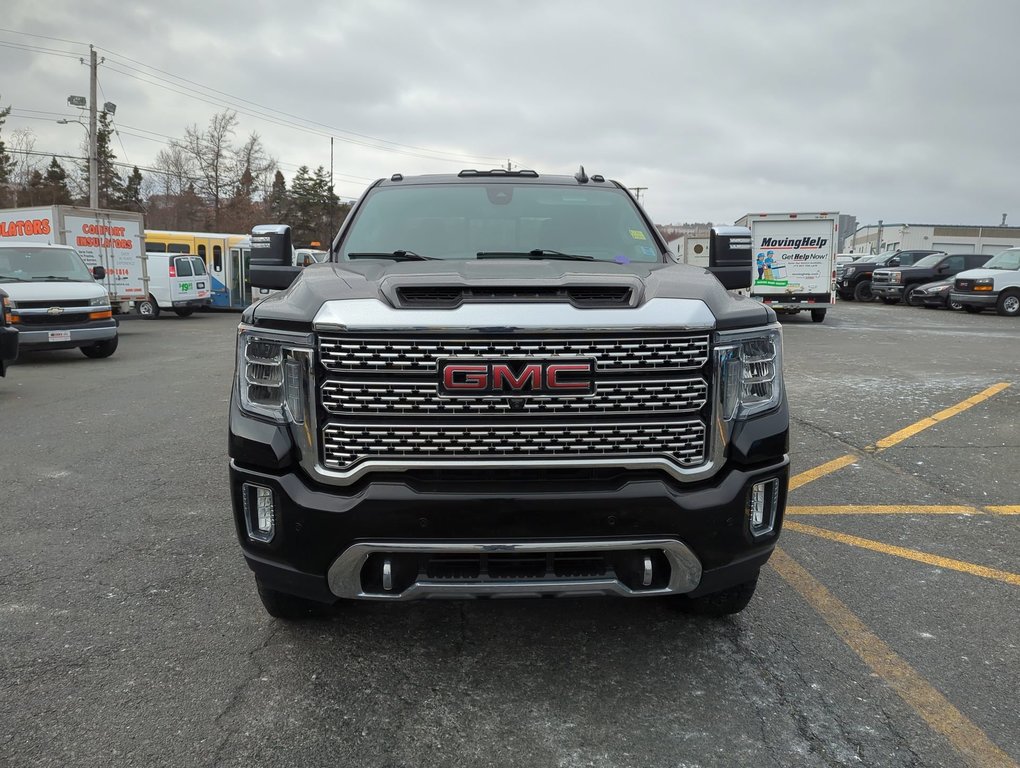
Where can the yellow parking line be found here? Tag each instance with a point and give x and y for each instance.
(909, 554)
(884, 509)
(923, 424)
(936, 710)
(1009, 509)
(825, 469)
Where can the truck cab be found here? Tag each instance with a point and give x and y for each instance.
(893, 285)
(8, 335)
(55, 300)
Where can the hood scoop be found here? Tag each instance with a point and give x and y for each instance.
(453, 296)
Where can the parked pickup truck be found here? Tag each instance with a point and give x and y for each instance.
(500, 385)
(8, 335)
(895, 285)
(997, 285)
(853, 281)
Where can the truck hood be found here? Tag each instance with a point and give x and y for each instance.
(52, 290)
(383, 280)
(978, 274)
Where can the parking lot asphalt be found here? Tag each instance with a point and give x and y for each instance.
(884, 633)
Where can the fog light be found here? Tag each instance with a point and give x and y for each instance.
(259, 511)
(761, 507)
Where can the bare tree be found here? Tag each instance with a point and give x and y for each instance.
(213, 155)
(252, 168)
(22, 144)
(176, 169)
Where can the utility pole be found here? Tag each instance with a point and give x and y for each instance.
(637, 192)
(93, 143)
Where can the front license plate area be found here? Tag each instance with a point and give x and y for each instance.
(55, 336)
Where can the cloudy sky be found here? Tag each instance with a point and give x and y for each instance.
(905, 110)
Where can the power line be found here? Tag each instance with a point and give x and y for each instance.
(39, 49)
(43, 37)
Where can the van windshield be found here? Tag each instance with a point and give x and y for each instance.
(1006, 260)
(33, 264)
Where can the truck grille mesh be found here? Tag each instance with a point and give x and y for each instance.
(379, 400)
(344, 444)
(420, 354)
(381, 397)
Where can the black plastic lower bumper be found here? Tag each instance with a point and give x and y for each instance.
(315, 524)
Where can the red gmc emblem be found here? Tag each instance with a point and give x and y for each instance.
(516, 377)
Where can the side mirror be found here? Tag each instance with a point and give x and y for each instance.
(98, 272)
(272, 257)
(894, 261)
(729, 256)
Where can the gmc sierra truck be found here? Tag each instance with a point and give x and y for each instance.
(500, 385)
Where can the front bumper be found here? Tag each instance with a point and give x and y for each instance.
(192, 303)
(54, 337)
(320, 532)
(976, 299)
(889, 291)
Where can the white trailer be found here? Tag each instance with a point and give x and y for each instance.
(113, 240)
(794, 266)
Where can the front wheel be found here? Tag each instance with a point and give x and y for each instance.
(724, 603)
(147, 308)
(862, 291)
(950, 304)
(817, 315)
(912, 297)
(1008, 304)
(184, 312)
(103, 348)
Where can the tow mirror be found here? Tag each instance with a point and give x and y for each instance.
(272, 257)
(98, 272)
(729, 256)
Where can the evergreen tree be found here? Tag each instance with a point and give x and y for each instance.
(278, 202)
(111, 187)
(54, 187)
(6, 161)
(129, 197)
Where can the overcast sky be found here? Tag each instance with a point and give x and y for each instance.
(905, 110)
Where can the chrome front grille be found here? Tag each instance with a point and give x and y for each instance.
(617, 397)
(420, 354)
(380, 405)
(344, 444)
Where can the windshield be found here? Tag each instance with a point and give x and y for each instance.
(461, 221)
(930, 260)
(1006, 260)
(30, 263)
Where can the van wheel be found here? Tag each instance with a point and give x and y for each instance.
(184, 312)
(724, 603)
(817, 315)
(281, 605)
(147, 308)
(862, 291)
(103, 348)
(1008, 304)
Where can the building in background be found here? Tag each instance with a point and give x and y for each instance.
(951, 238)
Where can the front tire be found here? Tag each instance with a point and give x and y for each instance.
(184, 312)
(103, 348)
(281, 605)
(1008, 304)
(950, 304)
(724, 603)
(817, 315)
(862, 291)
(147, 308)
(911, 297)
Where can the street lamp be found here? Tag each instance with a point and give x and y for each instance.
(90, 133)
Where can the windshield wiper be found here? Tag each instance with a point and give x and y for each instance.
(56, 277)
(537, 253)
(395, 255)
(12, 277)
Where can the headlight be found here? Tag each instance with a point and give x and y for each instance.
(99, 301)
(940, 289)
(849, 271)
(894, 277)
(750, 371)
(984, 284)
(272, 372)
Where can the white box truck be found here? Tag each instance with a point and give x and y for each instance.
(794, 260)
(113, 240)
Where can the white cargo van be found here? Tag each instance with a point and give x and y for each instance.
(55, 301)
(178, 282)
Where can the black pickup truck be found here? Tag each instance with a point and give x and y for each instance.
(894, 285)
(8, 335)
(854, 280)
(500, 385)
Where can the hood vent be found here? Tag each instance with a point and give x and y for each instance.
(450, 297)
